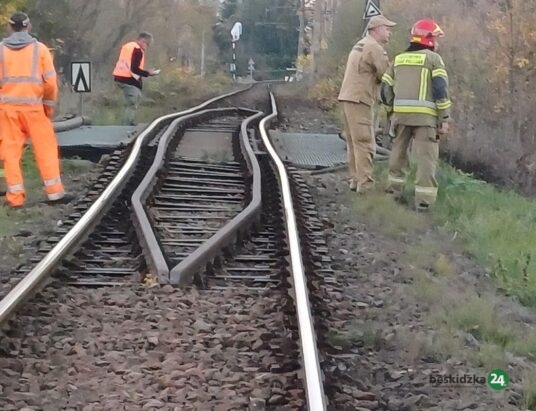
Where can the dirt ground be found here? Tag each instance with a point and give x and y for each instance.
(22, 229)
(396, 298)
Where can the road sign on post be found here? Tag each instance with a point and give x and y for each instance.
(372, 8)
(81, 76)
(81, 80)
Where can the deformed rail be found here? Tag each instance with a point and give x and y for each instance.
(183, 272)
(313, 373)
(83, 227)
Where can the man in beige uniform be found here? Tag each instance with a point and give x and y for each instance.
(366, 65)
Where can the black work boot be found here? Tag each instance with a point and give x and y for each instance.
(422, 207)
(66, 199)
(394, 195)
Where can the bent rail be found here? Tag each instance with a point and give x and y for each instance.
(81, 229)
(313, 374)
(183, 272)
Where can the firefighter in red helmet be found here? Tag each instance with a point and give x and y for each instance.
(425, 32)
(415, 90)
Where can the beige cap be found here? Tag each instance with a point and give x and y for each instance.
(378, 21)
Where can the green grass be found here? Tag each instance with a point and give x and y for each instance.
(365, 334)
(525, 345)
(497, 227)
(530, 390)
(391, 218)
(174, 90)
(478, 317)
(428, 290)
(490, 357)
(10, 219)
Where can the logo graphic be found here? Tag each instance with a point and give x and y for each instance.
(498, 379)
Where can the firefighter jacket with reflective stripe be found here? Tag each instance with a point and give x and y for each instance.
(123, 68)
(367, 62)
(415, 88)
(27, 75)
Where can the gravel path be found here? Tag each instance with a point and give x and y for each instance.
(149, 348)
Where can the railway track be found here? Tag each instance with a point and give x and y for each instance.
(201, 196)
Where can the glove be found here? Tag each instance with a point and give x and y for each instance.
(443, 128)
(49, 111)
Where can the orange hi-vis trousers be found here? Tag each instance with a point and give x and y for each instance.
(15, 125)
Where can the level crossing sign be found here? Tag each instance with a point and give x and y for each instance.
(371, 10)
(81, 76)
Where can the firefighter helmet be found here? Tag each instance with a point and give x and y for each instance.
(425, 32)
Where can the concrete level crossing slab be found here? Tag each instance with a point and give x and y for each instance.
(91, 142)
(97, 136)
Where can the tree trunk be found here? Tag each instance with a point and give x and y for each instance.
(317, 35)
(301, 37)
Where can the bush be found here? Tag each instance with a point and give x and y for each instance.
(325, 93)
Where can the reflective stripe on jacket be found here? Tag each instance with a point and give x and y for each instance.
(122, 67)
(27, 77)
(415, 88)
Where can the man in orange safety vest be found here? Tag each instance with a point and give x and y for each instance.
(28, 93)
(128, 73)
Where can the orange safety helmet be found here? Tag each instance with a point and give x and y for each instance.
(425, 32)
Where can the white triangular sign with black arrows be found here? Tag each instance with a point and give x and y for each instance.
(81, 76)
(371, 10)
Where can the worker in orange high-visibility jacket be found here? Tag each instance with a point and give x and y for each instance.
(28, 92)
(128, 73)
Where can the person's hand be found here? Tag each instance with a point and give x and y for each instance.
(49, 111)
(154, 72)
(443, 128)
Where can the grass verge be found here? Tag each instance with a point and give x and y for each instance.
(497, 227)
(10, 220)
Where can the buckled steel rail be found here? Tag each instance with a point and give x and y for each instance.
(313, 373)
(91, 217)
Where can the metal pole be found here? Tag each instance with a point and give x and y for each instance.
(234, 60)
(81, 104)
(203, 55)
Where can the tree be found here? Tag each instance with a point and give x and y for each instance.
(8, 7)
(270, 33)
